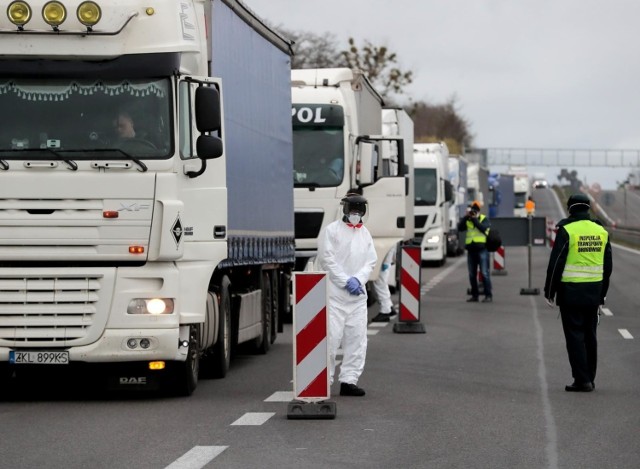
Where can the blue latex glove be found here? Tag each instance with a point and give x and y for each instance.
(353, 286)
(385, 267)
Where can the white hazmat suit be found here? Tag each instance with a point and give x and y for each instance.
(345, 251)
(381, 284)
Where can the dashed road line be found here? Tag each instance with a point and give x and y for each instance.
(280, 396)
(625, 334)
(606, 311)
(254, 418)
(372, 331)
(438, 278)
(378, 324)
(197, 457)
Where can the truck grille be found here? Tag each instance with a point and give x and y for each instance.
(36, 311)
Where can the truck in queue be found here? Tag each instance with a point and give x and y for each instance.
(146, 209)
(339, 148)
(458, 178)
(521, 188)
(433, 195)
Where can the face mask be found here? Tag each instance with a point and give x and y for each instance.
(354, 218)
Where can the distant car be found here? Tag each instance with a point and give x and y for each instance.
(540, 184)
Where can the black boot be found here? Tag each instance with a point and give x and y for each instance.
(348, 389)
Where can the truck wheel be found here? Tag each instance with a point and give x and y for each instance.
(263, 343)
(215, 363)
(185, 374)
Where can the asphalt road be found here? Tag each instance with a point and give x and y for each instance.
(483, 388)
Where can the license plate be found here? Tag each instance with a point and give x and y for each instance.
(38, 358)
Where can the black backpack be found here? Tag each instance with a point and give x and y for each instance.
(494, 241)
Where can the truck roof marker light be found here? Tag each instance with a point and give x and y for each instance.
(89, 13)
(54, 13)
(136, 249)
(19, 13)
(110, 214)
(150, 11)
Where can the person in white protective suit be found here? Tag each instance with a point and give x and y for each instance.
(381, 287)
(346, 252)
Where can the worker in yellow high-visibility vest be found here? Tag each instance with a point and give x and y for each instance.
(578, 280)
(477, 226)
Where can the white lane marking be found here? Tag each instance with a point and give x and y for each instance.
(625, 248)
(379, 324)
(280, 396)
(606, 311)
(254, 418)
(551, 449)
(196, 457)
(625, 333)
(372, 331)
(435, 280)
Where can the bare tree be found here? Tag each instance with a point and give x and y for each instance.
(312, 50)
(435, 122)
(380, 65)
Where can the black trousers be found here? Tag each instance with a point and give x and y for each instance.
(580, 324)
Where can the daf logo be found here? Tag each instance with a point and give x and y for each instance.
(140, 380)
(132, 207)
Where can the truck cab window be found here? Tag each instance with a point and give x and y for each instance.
(79, 116)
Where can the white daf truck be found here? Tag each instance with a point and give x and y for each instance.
(145, 227)
(338, 148)
(433, 194)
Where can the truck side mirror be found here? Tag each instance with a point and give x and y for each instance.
(209, 147)
(366, 163)
(448, 191)
(208, 112)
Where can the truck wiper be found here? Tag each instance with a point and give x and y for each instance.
(142, 166)
(70, 163)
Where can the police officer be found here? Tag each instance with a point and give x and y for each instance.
(477, 226)
(578, 279)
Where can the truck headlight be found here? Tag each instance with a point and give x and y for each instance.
(435, 239)
(54, 13)
(150, 306)
(19, 13)
(89, 13)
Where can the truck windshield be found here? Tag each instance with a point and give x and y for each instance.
(113, 119)
(426, 186)
(318, 157)
(521, 198)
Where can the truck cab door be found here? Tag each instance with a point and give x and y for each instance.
(388, 190)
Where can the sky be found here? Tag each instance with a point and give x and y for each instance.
(525, 73)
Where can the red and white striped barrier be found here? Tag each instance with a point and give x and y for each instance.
(409, 317)
(310, 326)
(499, 267)
(551, 232)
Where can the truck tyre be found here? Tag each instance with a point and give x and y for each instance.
(263, 343)
(185, 374)
(221, 357)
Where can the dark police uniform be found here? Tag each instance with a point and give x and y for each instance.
(578, 279)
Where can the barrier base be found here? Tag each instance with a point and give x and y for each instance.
(409, 328)
(298, 410)
(499, 272)
(529, 291)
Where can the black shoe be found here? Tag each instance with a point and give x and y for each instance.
(381, 317)
(348, 389)
(579, 387)
(393, 313)
(488, 299)
(473, 299)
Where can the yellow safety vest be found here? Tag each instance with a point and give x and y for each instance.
(474, 235)
(585, 259)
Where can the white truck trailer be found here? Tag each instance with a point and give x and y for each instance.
(521, 188)
(143, 255)
(338, 147)
(433, 194)
(458, 178)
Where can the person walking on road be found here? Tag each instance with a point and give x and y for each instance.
(477, 226)
(578, 280)
(381, 287)
(346, 252)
